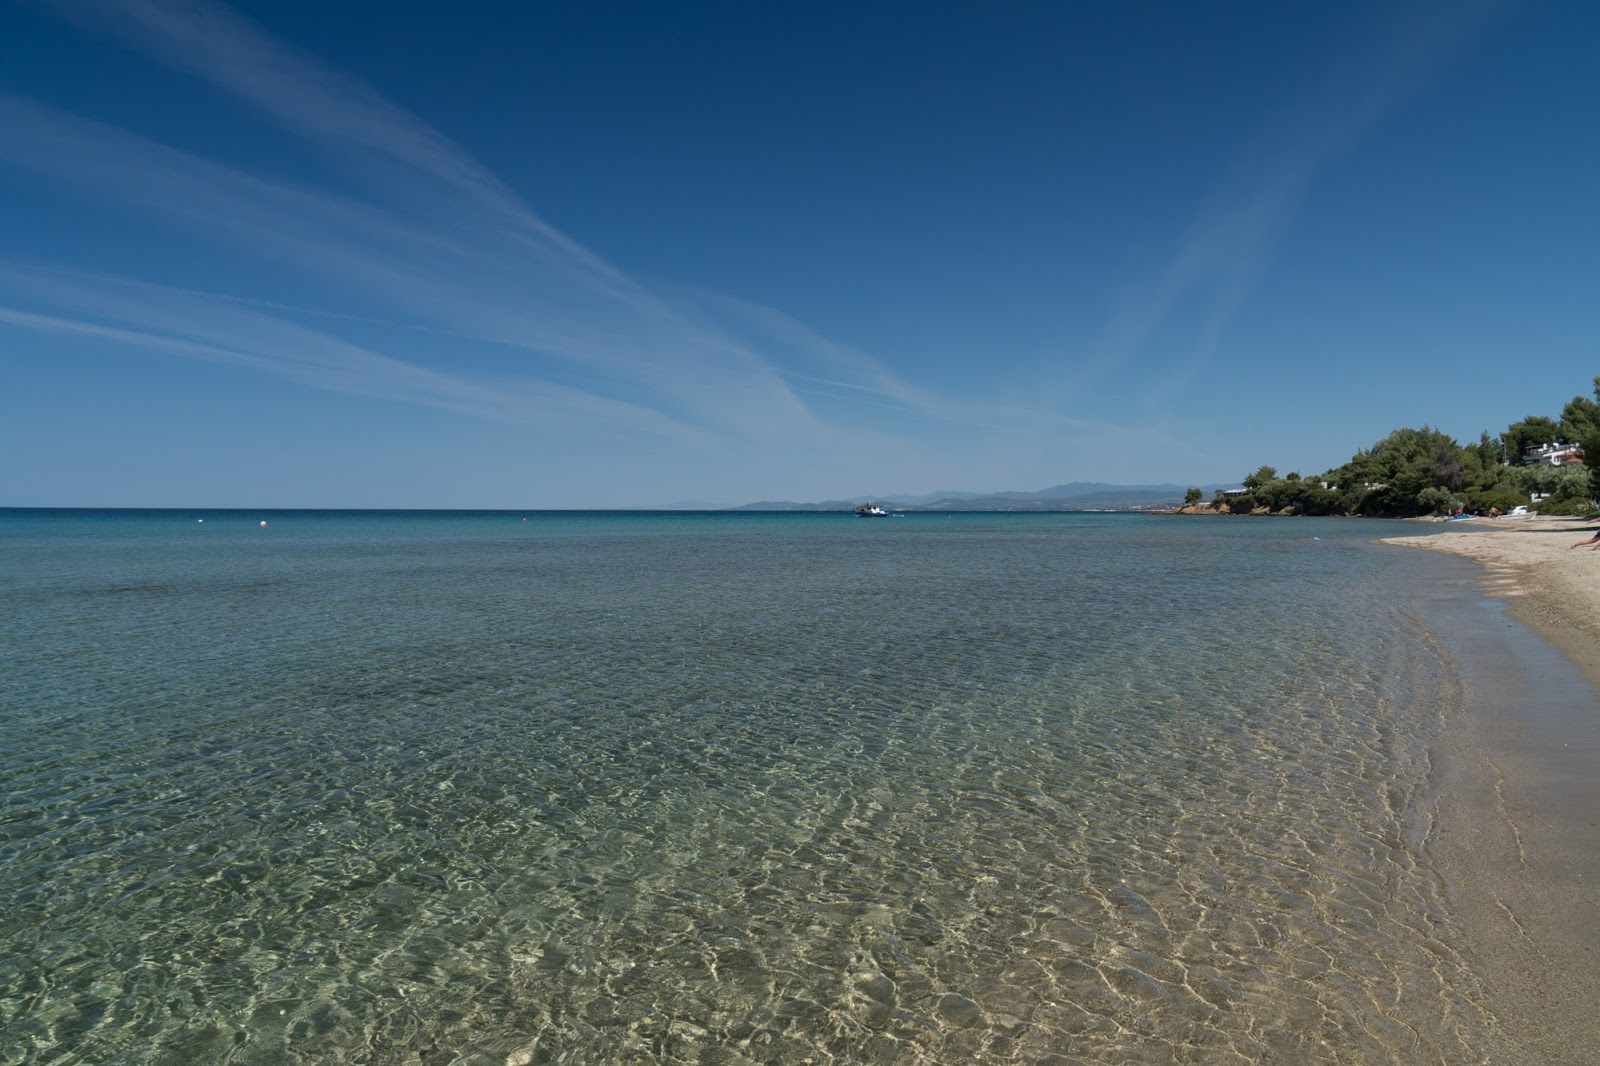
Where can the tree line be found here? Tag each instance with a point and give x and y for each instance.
(1414, 472)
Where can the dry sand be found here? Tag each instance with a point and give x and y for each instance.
(1518, 818)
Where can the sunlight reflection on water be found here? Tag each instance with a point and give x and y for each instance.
(756, 789)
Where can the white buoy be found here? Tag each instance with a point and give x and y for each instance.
(263, 521)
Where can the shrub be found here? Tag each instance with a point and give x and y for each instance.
(1570, 505)
(1311, 498)
(1505, 499)
(1435, 499)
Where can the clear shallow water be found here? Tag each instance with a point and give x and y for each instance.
(427, 788)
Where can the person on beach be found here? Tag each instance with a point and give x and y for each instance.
(1593, 542)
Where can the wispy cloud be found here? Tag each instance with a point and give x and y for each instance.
(192, 325)
(1213, 267)
(422, 235)
(461, 278)
(849, 370)
(510, 319)
(307, 98)
(418, 236)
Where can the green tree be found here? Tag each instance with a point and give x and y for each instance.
(1571, 492)
(1528, 480)
(1192, 497)
(1403, 464)
(1503, 498)
(1435, 499)
(1414, 471)
(1312, 498)
(1491, 451)
(1259, 478)
(1581, 416)
(1530, 433)
(1591, 454)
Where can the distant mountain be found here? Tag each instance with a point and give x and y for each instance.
(1074, 489)
(934, 497)
(1074, 496)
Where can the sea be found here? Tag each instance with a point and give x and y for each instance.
(559, 787)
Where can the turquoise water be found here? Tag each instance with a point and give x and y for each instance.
(504, 788)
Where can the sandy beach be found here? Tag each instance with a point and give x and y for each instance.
(1518, 809)
(1552, 587)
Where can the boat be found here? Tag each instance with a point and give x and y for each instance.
(871, 510)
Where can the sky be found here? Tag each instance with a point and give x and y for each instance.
(394, 253)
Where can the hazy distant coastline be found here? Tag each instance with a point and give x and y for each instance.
(1074, 496)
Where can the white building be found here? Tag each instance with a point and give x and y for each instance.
(1558, 454)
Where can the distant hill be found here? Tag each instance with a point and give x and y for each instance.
(688, 505)
(1074, 496)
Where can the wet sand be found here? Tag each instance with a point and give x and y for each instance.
(1517, 819)
(1554, 587)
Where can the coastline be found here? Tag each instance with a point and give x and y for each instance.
(1517, 812)
(1550, 588)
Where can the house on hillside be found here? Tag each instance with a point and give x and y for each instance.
(1558, 454)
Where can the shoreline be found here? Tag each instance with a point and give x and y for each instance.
(1551, 588)
(1516, 812)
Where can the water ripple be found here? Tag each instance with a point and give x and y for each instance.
(983, 792)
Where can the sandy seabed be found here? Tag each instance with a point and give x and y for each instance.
(1518, 819)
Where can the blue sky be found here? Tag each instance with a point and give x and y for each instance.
(406, 254)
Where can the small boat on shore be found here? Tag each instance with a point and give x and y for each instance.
(871, 510)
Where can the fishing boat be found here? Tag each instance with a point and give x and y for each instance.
(871, 510)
